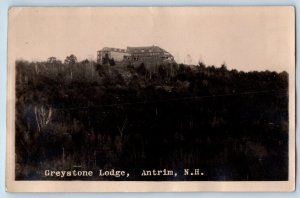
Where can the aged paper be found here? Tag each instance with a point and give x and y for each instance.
(151, 99)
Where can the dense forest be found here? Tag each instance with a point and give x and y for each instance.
(232, 125)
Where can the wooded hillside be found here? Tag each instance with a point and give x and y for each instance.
(231, 124)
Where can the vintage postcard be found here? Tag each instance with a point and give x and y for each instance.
(151, 99)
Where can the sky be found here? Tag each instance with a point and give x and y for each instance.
(244, 38)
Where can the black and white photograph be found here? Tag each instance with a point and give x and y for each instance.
(151, 99)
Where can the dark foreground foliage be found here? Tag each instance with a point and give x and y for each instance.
(231, 125)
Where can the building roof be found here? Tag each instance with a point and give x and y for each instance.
(152, 48)
(133, 50)
(113, 49)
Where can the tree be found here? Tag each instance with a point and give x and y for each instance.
(162, 71)
(224, 66)
(54, 63)
(52, 59)
(201, 65)
(112, 62)
(105, 59)
(86, 61)
(71, 60)
(141, 69)
(43, 116)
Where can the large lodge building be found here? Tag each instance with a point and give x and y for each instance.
(153, 55)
